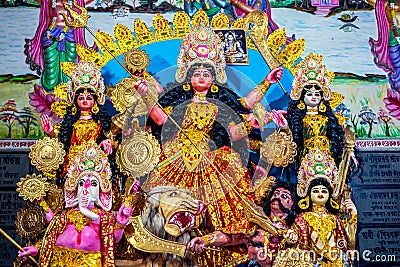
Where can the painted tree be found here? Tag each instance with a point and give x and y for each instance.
(343, 110)
(28, 121)
(9, 115)
(383, 116)
(368, 117)
(354, 121)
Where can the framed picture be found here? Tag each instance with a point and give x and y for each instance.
(234, 44)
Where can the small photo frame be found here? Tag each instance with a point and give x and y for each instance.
(234, 45)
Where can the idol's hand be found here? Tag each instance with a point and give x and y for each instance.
(350, 207)
(291, 237)
(141, 87)
(124, 214)
(353, 157)
(279, 119)
(275, 75)
(28, 251)
(106, 146)
(197, 244)
(47, 125)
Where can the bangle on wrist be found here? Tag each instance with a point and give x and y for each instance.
(210, 238)
(118, 226)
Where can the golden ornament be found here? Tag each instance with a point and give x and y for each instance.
(138, 154)
(47, 154)
(124, 96)
(32, 187)
(30, 221)
(55, 198)
(136, 60)
(279, 149)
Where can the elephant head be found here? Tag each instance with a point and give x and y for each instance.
(88, 182)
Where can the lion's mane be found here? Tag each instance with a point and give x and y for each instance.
(155, 222)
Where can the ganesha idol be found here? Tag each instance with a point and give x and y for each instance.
(85, 232)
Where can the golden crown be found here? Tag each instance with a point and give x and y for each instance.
(311, 71)
(317, 164)
(201, 45)
(86, 75)
(91, 160)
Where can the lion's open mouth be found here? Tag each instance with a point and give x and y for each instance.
(183, 219)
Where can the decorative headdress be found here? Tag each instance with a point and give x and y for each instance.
(86, 75)
(317, 164)
(201, 45)
(92, 160)
(311, 71)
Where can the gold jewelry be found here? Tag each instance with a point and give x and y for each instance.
(322, 107)
(312, 110)
(301, 105)
(334, 204)
(38, 244)
(78, 219)
(95, 108)
(200, 96)
(44, 205)
(84, 113)
(304, 203)
(214, 88)
(245, 127)
(262, 88)
(210, 238)
(320, 210)
(136, 60)
(73, 110)
(117, 226)
(186, 86)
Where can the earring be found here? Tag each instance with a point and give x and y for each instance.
(95, 108)
(301, 105)
(214, 88)
(322, 107)
(73, 110)
(334, 204)
(304, 203)
(186, 86)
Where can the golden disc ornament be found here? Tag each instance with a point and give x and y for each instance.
(32, 187)
(55, 198)
(279, 149)
(123, 95)
(136, 60)
(125, 98)
(30, 221)
(47, 154)
(138, 154)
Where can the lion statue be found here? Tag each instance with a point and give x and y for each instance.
(170, 213)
